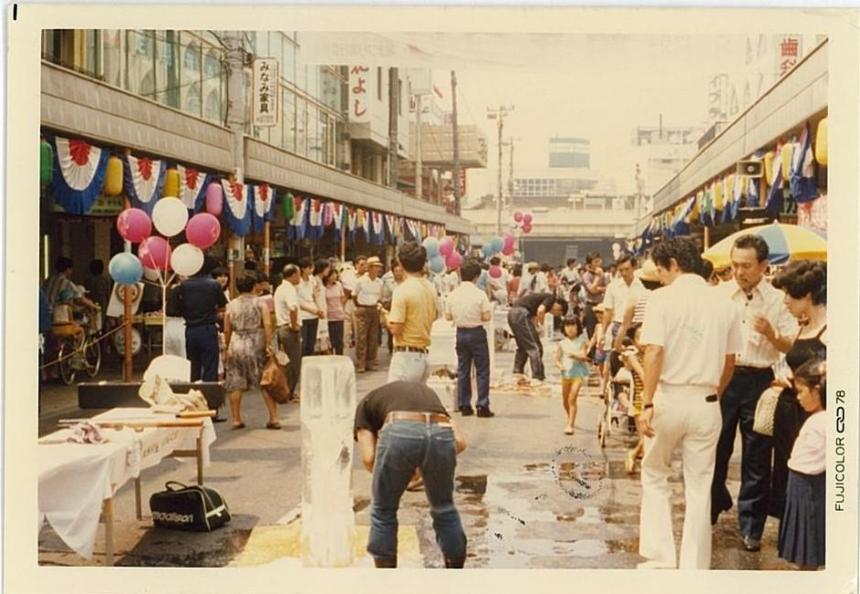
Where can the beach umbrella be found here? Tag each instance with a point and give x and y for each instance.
(785, 242)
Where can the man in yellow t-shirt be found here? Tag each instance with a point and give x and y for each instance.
(413, 311)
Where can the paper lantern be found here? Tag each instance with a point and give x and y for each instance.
(203, 230)
(113, 177)
(446, 246)
(154, 253)
(786, 154)
(437, 264)
(527, 218)
(821, 142)
(288, 205)
(186, 260)
(169, 216)
(453, 261)
(134, 225)
(431, 244)
(46, 162)
(518, 217)
(768, 168)
(171, 183)
(125, 268)
(495, 271)
(214, 198)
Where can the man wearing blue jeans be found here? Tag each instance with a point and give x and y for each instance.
(199, 300)
(468, 307)
(400, 428)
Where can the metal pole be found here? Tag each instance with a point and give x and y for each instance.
(393, 113)
(234, 57)
(511, 173)
(419, 189)
(126, 318)
(267, 240)
(456, 142)
(499, 199)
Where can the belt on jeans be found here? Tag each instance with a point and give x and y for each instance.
(425, 417)
(748, 369)
(360, 305)
(409, 349)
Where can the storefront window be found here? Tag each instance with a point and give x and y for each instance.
(288, 60)
(288, 118)
(113, 57)
(140, 75)
(190, 75)
(167, 71)
(315, 148)
(192, 99)
(212, 93)
(329, 88)
(301, 127)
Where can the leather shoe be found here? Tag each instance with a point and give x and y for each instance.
(485, 412)
(751, 544)
(716, 511)
(466, 411)
(385, 562)
(455, 562)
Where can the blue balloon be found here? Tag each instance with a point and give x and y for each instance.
(498, 243)
(488, 250)
(437, 264)
(482, 280)
(125, 268)
(431, 244)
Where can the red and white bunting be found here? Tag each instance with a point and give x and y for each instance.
(376, 223)
(315, 215)
(337, 214)
(234, 196)
(352, 219)
(391, 221)
(300, 206)
(145, 173)
(363, 221)
(190, 185)
(78, 162)
(263, 200)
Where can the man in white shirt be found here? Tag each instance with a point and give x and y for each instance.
(531, 280)
(767, 330)
(618, 292)
(571, 279)
(288, 326)
(368, 294)
(349, 277)
(691, 337)
(469, 308)
(497, 288)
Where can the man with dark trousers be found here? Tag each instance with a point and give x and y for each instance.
(469, 308)
(767, 330)
(200, 297)
(527, 313)
(418, 435)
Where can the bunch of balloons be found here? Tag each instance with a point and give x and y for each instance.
(154, 255)
(506, 245)
(442, 254)
(524, 221)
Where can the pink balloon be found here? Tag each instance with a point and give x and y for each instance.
(527, 218)
(446, 246)
(527, 228)
(154, 253)
(508, 250)
(518, 216)
(509, 240)
(214, 198)
(453, 261)
(134, 225)
(203, 230)
(495, 271)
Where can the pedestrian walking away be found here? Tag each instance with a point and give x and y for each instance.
(400, 428)
(199, 300)
(527, 313)
(767, 330)
(469, 309)
(689, 358)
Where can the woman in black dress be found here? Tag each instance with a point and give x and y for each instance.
(805, 287)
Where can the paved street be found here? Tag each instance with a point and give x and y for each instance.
(530, 496)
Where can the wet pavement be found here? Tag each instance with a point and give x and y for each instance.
(529, 496)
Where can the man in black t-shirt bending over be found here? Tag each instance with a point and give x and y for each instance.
(523, 317)
(401, 427)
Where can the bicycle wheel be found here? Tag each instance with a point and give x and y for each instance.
(93, 357)
(67, 368)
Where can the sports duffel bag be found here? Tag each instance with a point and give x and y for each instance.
(194, 508)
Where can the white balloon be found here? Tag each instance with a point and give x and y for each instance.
(151, 274)
(186, 259)
(169, 216)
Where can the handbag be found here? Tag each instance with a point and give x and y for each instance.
(274, 381)
(765, 410)
(196, 508)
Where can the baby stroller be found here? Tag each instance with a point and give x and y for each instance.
(616, 401)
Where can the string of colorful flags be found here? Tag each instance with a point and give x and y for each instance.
(787, 169)
(80, 172)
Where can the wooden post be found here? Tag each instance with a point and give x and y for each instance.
(267, 239)
(343, 241)
(706, 240)
(126, 318)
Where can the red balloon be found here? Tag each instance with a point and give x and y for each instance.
(527, 228)
(527, 218)
(203, 230)
(509, 240)
(154, 253)
(495, 271)
(134, 225)
(518, 216)
(508, 250)
(214, 198)
(453, 261)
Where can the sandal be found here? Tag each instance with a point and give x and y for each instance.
(238, 426)
(568, 430)
(273, 425)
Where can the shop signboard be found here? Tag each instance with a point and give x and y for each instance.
(789, 52)
(360, 84)
(103, 206)
(266, 102)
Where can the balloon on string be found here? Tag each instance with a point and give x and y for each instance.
(151, 275)
(495, 271)
(527, 218)
(431, 244)
(437, 264)
(488, 250)
(482, 280)
(453, 261)
(187, 259)
(134, 225)
(527, 228)
(518, 217)
(203, 230)
(125, 268)
(169, 216)
(508, 250)
(214, 198)
(498, 243)
(446, 246)
(508, 240)
(154, 252)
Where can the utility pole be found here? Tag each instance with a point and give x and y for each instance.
(511, 172)
(419, 174)
(393, 113)
(499, 114)
(456, 143)
(639, 188)
(234, 57)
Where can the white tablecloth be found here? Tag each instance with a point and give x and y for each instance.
(75, 479)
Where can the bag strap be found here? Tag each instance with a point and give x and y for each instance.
(181, 486)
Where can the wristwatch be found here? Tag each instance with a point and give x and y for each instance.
(647, 406)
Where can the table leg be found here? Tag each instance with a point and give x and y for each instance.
(137, 505)
(200, 458)
(107, 518)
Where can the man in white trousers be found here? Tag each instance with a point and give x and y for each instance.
(691, 339)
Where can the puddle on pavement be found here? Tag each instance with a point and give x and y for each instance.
(474, 485)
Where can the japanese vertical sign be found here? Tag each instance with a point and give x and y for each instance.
(266, 101)
(788, 53)
(359, 93)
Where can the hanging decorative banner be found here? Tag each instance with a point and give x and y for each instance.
(297, 226)
(352, 220)
(192, 187)
(802, 180)
(237, 213)
(377, 228)
(263, 199)
(328, 214)
(812, 215)
(363, 222)
(391, 223)
(752, 193)
(144, 181)
(78, 175)
(338, 215)
(315, 227)
(773, 203)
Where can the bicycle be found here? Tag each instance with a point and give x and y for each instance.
(79, 350)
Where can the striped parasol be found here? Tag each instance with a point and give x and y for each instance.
(785, 242)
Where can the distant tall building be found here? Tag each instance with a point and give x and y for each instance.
(569, 152)
(662, 152)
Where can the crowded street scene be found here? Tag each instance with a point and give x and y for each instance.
(354, 300)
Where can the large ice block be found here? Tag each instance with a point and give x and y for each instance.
(327, 413)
